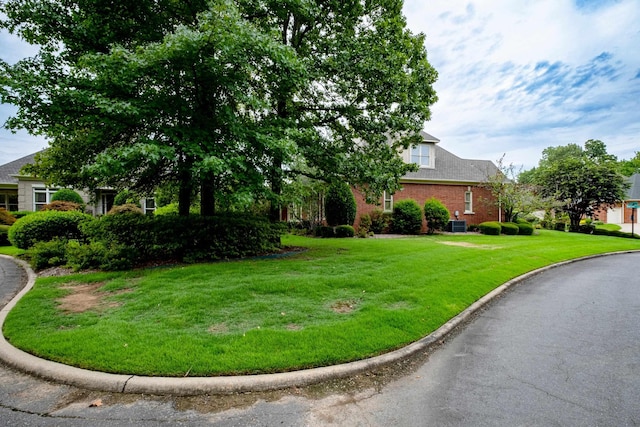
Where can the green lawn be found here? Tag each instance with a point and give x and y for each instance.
(341, 300)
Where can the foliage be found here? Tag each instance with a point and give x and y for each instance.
(63, 206)
(4, 235)
(345, 231)
(491, 228)
(340, 205)
(324, 231)
(436, 214)
(631, 166)
(580, 181)
(509, 228)
(380, 221)
(513, 196)
(44, 226)
(6, 217)
(407, 217)
(46, 254)
(126, 197)
(127, 208)
(99, 255)
(68, 195)
(525, 228)
(220, 97)
(615, 233)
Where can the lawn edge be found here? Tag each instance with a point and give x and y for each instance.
(135, 384)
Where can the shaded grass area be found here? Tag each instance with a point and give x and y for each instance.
(341, 300)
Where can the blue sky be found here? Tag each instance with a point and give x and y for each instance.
(515, 76)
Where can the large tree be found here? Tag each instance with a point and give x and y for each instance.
(219, 96)
(581, 182)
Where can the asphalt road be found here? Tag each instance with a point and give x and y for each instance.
(562, 348)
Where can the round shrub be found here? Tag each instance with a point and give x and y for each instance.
(128, 208)
(44, 226)
(510, 228)
(525, 229)
(345, 231)
(436, 214)
(126, 197)
(6, 218)
(67, 195)
(340, 205)
(407, 217)
(380, 221)
(324, 231)
(4, 235)
(490, 228)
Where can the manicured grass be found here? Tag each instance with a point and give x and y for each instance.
(341, 300)
(609, 227)
(11, 250)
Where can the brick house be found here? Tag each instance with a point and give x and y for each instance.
(621, 214)
(456, 182)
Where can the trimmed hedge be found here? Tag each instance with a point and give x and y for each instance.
(436, 214)
(67, 195)
(345, 231)
(44, 226)
(4, 235)
(525, 229)
(324, 231)
(509, 228)
(407, 217)
(490, 228)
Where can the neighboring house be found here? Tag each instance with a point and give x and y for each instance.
(456, 182)
(25, 193)
(621, 214)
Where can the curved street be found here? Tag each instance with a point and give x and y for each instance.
(561, 348)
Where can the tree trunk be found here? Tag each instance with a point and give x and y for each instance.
(207, 197)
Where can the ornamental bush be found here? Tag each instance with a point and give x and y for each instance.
(436, 214)
(345, 231)
(127, 208)
(126, 197)
(490, 228)
(324, 231)
(62, 206)
(4, 235)
(380, 221)
(67, 195)
(407, 217)
(525, 229)
(510, 228)
(44, 226)
(340, 205)
(6, 218)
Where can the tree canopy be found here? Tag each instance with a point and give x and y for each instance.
(220, 97)
(580, 181)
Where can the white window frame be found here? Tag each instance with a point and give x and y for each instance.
(48, 192)
(387, 202)
(149, 205)
(468, 202)
(421, 155)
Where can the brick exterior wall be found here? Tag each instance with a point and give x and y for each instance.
(451, 195)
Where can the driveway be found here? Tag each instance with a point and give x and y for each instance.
(562, 348)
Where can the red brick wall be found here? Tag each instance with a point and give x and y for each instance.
(452, 196)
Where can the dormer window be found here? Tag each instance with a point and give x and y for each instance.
(421, 155)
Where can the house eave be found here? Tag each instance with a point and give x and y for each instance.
(438, 181)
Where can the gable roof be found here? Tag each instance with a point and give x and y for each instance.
(8, 170)
(451, 168)
(633, 193)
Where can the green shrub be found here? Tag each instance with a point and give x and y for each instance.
(67, 195)
(63, 206)
(4, 235)
(436, 215)
(324, 231)
(48, 254)
(126, 197)
(44, 226)
(127, 208)
(509, 228)
(490, 228)
(6, 218)
(407, 217)
(20, 214)
(380, 221)
(345, 231)
(340, 205)
(525, 229)
(99, 255)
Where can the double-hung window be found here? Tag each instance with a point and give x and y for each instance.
(42, 196)
(387, 202)
(468, 202)
(420, 155)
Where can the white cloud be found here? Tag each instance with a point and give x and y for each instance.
(519, 76)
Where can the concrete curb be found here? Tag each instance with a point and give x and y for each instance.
(101, 381)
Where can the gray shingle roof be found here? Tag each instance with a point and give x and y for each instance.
(13, 168)
(451, 168)
(633, 193)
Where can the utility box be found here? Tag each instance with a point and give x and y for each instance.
(457, 226)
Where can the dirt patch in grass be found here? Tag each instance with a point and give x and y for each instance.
(85, 297)
(343, 307)
(218, 329)
(471, 245)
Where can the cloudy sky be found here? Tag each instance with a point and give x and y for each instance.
(515, 76)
